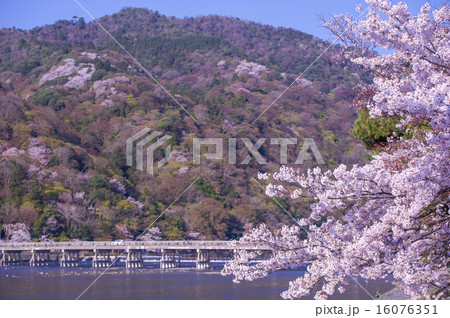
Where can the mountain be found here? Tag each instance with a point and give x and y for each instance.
(70, 97)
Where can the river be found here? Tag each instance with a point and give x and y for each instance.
(153, 283)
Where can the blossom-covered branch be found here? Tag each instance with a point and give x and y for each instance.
(396, 208)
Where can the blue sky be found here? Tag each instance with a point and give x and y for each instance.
(297, 14)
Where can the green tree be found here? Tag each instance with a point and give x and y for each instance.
(99, 182)
(373, 131)
(36, 194)
(39, 227)
(15, 183)
(239, 101)
(49, 97)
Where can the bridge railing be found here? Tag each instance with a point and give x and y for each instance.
(126, 244)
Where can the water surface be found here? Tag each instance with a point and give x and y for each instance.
(153, 283)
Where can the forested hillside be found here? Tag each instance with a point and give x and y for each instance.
(70, 97)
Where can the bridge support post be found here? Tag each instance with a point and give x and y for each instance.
(62, 261)
(102, 258)
(70, 258)
(203, 261)
(134, 259)
(33, 258)
(40, 258)
(168, 259)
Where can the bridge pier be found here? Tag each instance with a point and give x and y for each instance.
(203, 260)
(102, 258)
(134, 259)
(12, 258)
(169, 259)
(70, 258)
(40, 258)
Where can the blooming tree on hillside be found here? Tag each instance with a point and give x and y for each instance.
(140, 205)
(117, 186)
(17, 232)
(152, 234)
(45, 238)
(123, 231)
(396, 208)
(38, 151)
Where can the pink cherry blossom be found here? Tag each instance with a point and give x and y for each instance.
(123, 230)
(395, 210)
(138, 204)
(152, 234)
(38, 151)
(13, 152)
(17, 232)
(117, 186)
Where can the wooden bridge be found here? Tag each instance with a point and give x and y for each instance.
(106, 254)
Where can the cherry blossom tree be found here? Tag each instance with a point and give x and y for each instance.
(140, 205)
(13, 152)
(45, 238)
(16, 232)
(152, 234)
(117, 186)
(38, 151)
(123, 231)
(391, 216)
